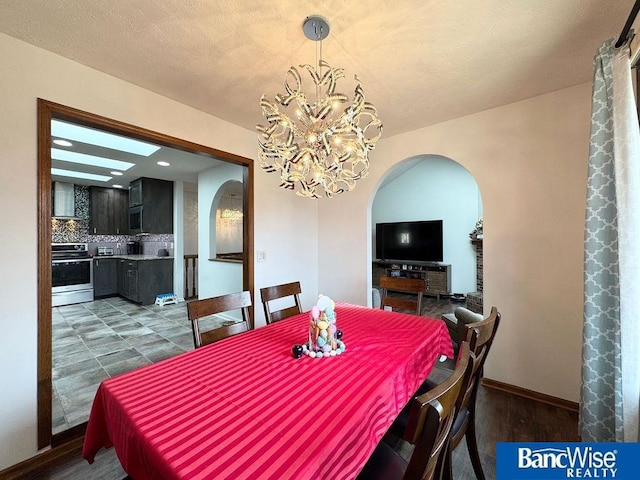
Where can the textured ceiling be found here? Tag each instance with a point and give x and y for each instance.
(420, 62)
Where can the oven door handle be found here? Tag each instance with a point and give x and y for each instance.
(72, 260)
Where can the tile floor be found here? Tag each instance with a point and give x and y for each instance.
(96, 340)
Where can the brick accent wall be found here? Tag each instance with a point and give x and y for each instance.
(474, 299)
(479, 264)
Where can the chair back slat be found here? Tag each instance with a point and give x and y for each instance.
(414, 286)
(480, 336)
(267, 294)
(219, 333)
(199, 309)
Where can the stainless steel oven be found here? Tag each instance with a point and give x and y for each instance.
(72, 274)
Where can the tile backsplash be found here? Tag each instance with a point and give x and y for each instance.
(68, 231)
(77, 230)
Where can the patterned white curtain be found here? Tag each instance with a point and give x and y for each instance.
(610, 396)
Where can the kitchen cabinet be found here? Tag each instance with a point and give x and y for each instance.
(141, 280)
(109, 214)
(150, 206)
(105, 277)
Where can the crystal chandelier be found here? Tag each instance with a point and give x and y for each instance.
(319, 144)
(230, 212)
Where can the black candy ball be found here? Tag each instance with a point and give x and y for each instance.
(296, 350)
(339, 334)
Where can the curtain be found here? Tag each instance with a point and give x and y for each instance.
(610, 393)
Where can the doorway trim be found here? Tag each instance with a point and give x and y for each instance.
(48, 110)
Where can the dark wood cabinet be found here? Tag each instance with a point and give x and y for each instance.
(121, 211)
(150, 206)
(105, 277)
(109, 211)
(437, 276)
(141, 280)
(128, 279)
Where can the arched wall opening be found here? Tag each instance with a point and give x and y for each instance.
(434, 187)
(225, 222)
(218, 274)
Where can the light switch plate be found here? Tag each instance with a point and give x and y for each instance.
(261, 256)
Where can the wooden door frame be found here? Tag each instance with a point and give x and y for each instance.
(47, 111)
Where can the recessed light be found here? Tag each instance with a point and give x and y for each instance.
(73, 174)
(63, 143)
(163, 164)
(102, 139)
(67, 156)
(117, 186)
(116, 173)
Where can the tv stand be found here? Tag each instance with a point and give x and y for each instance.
(437, 276)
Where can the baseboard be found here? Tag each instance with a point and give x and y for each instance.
(530, 394)
(48, 459)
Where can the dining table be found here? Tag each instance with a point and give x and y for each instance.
(245, 408)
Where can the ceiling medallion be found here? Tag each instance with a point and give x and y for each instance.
(318, 143)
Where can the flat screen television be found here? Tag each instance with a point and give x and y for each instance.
(411, 241)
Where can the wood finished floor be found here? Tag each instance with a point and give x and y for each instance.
(501, 417)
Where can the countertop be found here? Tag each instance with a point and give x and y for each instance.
(133, 257)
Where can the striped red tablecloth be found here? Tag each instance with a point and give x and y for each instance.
(244, 408)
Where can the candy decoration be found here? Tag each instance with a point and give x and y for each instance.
(297, 351)
(325, 340)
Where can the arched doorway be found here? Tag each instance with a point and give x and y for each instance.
(432, 188)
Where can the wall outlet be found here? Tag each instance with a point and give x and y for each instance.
(261, 256)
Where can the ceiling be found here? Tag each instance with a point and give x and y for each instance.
(183, 166)
(421, 62)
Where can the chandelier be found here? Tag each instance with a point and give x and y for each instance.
(230, 212)
(318, 143)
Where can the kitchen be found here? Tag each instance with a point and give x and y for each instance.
(93, 222)
(113, 252)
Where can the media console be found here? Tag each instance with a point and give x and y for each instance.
(437, 276)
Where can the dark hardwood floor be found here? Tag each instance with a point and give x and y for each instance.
(504, 417)
(501, 417)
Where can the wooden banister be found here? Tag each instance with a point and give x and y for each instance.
(190, 281)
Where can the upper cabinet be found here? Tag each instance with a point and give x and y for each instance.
(150, 206)
(109, 213)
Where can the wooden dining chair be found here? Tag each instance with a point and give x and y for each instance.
(430, 423)
(413, 286)
(199, 309)
(479, 336)
(276, 292)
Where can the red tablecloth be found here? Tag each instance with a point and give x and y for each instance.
(244, 408)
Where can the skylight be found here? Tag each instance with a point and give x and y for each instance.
(102, 139)
(73, 174)
(83, 158)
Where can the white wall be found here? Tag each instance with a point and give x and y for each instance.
(190, 218)
(529, 159)
(436, 188)
(283, 222)
(530, 162)
(215, 278)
